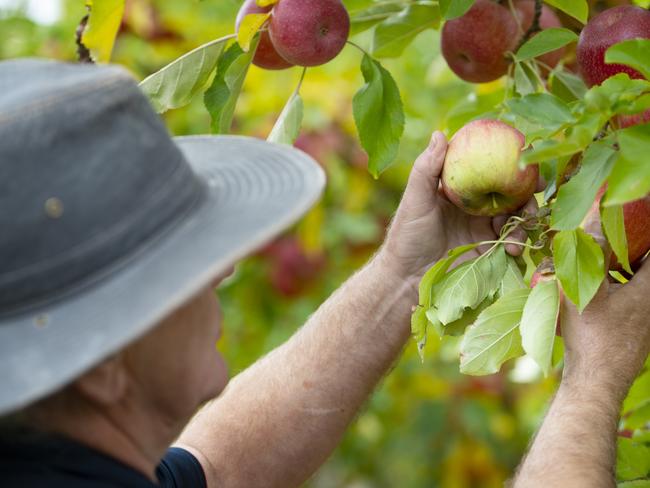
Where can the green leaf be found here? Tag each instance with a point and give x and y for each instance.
(630, 178)
(379, 115)
(614, 227)
(634, 484)
(633, 52)
(457, 327)
(575, 198)
(579, 265)
(524, 84)
(639, 395)
(569, 85)
(452, 9)
(512, 279)
(287, 127)
(615, 93)
(394, 34)
(366, 18)
(578, 9)
(437, 272)
(176, 84)
(419, 323)
(632, 459)
(220, 99)
(545, 41)
(543, 109)
(538, 323)
(469, 284)
(102, 27)
(638, 418)
(249, 27)
(494, 337)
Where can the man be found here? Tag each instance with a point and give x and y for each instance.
(108, 318)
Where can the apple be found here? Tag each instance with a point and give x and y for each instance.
(636, 217)
(475, 44)
(309, 32)
(266, 55)
(606, 29)
(525, 13)
(481, 172)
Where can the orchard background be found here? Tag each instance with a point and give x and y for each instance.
(427, 424)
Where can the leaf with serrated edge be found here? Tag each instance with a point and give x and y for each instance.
(575, 198)
(379, 115)
(579, 265)
(614, 227)
(287, 127)
(220, 99)
(174, 85)
(494, 337)
(633, 53)
(458, 327)
(437, 272)
(394, 34)
(538, 323)
(250, 26)
(544, 42)
(469, 284)
(102, 27)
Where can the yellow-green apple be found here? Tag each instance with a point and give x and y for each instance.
(475, 44)
(309, 32)
(606, 29)
(266, 56)
(481, 172)
(524, 13)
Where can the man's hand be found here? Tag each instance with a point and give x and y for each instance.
(427, 225)
(609, 342)
(605, 348)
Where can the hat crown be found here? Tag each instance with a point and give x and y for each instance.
(88, 176)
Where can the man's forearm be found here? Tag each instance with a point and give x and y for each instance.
(576, 445)
(280, 419)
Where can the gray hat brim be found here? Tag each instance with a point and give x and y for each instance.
(256, 190)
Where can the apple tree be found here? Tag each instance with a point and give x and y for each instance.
(576, 92)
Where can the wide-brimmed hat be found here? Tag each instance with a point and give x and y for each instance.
(107, 224)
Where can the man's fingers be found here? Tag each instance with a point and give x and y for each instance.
(640, 282)
(422, 186)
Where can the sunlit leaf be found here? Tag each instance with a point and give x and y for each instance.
(632, 459)
(287, 127)
(545, 41)
(249, 27)
(394, 34)
(630, 178)
(578, 9)
(177, 83)
(101, 29)
(632, 52)
(452, 9)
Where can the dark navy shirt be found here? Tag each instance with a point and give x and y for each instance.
(57, 462)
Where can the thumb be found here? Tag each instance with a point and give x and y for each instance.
(422, 186)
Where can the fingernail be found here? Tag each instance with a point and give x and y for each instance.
(434, 141)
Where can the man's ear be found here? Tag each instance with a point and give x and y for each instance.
(106, 383)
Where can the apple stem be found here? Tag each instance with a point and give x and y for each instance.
(359, 48)
(494, 201)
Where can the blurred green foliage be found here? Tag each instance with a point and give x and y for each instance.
(426, 425)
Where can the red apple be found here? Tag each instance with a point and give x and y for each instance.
(481, 172)
(525, 12)
(475, 44)
(309, 32)
(606, 29)
(266, 56)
